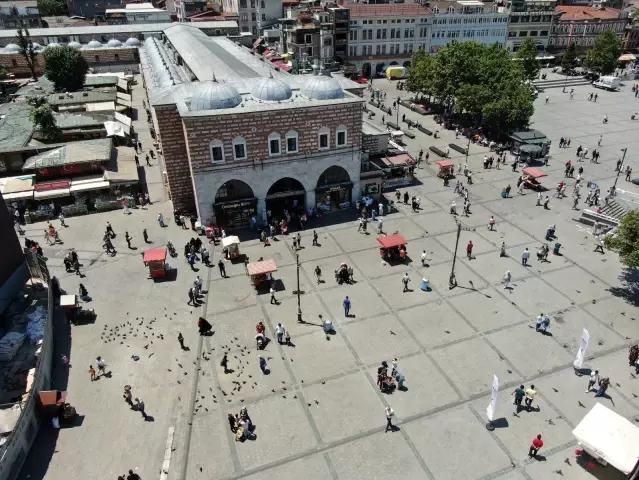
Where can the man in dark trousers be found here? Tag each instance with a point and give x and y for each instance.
(140, 406)
(146, 236)
(127, 237)
(148, 162)
(181, 340)
(191, 298)
(133, 476)
(222, 268)
(315, 234)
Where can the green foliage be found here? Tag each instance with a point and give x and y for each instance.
(603, 56)
(527, 55)
(475, 80)
(65, 67)
(49, 8)
(42, 116)
(626, 241)
(569, 60)
(23, 40)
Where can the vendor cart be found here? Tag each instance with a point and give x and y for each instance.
(213, 234)
(393, 247)
(531, 178)
(54, 406)
(260, 272)
(74, 312)
(397, 136)
(446, 169)
(609, 439)
(155, 260)
(231, 247)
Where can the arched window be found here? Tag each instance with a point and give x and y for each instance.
(451, 9)
(435, 10)
(324, 138)
(274, 144)
(341, 136)
(217, 151)
(239, 148)
(291, 141)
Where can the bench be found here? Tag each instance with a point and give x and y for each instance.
(457, 148)
(393, 125)
(424, 130)
(409, 134)
(436, 150)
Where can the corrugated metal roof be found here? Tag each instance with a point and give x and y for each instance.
(81, 120)
(100, 80)
(85, 151)
(16, 127)
(76, 98)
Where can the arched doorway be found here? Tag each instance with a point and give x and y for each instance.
(366, 70)
(380, 68)
(334, 189)
(407, 64)
(285, 194)
(392, 64)
(235, 204)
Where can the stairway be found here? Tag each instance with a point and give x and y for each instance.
(560, 82)
(614, 210)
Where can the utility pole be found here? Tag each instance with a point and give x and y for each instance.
(614, 187)
(397, 118)
(452, 281)
(298, 291)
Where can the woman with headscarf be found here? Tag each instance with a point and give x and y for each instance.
(633, 355)
(204, 326)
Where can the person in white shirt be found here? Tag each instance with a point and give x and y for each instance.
(61, 218)
(273, 299)
(524, 257)
(539, 199)
(507, 278)
(279, 332)
(593, 380)
(423, 258)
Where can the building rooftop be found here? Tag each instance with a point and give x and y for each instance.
(575, 12)
(16, 127)
(100, 80)
(136, 8)
(67, 121)
(21, 3)
(112, 29)
(75, 98)
(84, 151)
(359, 10)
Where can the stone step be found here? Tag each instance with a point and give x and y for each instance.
(559, 83)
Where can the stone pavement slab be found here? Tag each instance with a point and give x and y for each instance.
(391, 289)
(534, 296)
(577, 284)
(436, 223)
(479, 244)
(370, 263)
(487, 309)
(452, 432)
(568, 326)
(210, 448)
(617, 314)
(493, 267)
(312, 467)
(571, 470)
(365, 302)
(439, 274)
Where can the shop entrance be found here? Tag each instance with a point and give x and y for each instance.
(285, 194)
(334, 189)
(234, 205)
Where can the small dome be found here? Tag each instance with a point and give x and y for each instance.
(214, 96)
(12, 48)
(322, 87)
(52, 44)
(132, 42)
(114, 43)
(271, 90)
(94, 44)
(75, 45)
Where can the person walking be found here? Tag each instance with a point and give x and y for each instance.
(145, 235)
(423, 256)
(191, 298)
(101, 365)
(161, 220)
(535, 445)
(469, 250)
(600, 246)
(519, 394)
(139, 404)
(318, 274)
(273, 299)
(525, 256)
(538, 199)
(507, 279)
(220, 265)
(148, 161)
(389, 419)
(491, 224)
(599, 141)
(263, 365)
(61, 218)
(279, 333)
(405, 281)
(592, 380)
(530, 396)
(128, 397)
(604, 383)
(91, 373)
(127, 237)
(347, 306)
(546, 200)
(315, 244)
(628, 173)
(181, 340)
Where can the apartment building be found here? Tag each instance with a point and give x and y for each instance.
(254, 15)
(20, 14)
(582, 25)
(383, 35)
(467, 20)
(530, 19)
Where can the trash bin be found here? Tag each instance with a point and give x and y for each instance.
(556, 249)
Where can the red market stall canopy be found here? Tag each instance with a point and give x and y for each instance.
(534, 172)
(445, 163)
(391, 241)
(260, 268)
(155, 255)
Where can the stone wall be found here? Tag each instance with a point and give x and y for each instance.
(17, 65)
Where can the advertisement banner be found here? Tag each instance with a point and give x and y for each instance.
(494, 394)
(581, 353)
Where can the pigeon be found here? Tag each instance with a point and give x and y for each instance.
(392, 333)
(323, 383)
(567, 461)
(555, 390)
(580, 404)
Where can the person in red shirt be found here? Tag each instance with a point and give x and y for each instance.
(259, 328)
(469, 250)
(537, 443)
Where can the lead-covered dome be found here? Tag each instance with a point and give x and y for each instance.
(94, 44)
(214, 96)
(271, 90)
(114, 43)
(37, 46)
(51, 45)
(322, 87)
(12, 48)
(75, 45)
(132, 42)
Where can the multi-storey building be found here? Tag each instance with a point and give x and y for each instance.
(137, 13)
(245, 138)
(631, 37)
(582, 25)
(254, 15)
(384, 35)
(468, 20)
(22, 13)
(530, 19)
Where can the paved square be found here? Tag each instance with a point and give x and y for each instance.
(318, 412)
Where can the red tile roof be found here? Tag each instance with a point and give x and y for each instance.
(575, 12)
(359, 10)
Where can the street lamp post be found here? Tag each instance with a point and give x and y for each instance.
(397, 118)
(614, 187)
(298, 291)
(452, 281)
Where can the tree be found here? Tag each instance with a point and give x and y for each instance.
(65, 67)
(49, 8)
(626, 241)
(27, 50)
(527, 55)
(604, 55)
(42, 116)
(4, 74)
(569, 60)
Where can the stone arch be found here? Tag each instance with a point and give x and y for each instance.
(284, 185)
(407, 64)
(233, 190)
(393, 63)
(333, 174)
(366, 70)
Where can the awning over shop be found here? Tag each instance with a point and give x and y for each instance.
(534, 172)
(84, 151)
(99, 107)
(18, 195)
(283, 66)
(259, 268)
(86, 184)
(123, 84)
(627, 57)
(530, 148)
(12, 185)
(56, 189)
